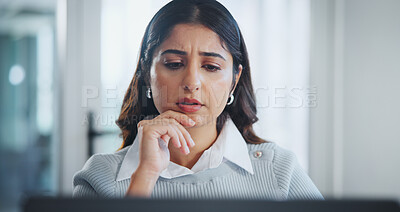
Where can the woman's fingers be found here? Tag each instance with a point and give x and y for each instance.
(179, 135)
(166, 138)
(183, 119)
(186, 135)
(180, 118)
(174, 136)
(174, 131)
(184, 148)
(176, 143)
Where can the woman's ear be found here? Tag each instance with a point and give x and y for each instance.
(237, 77)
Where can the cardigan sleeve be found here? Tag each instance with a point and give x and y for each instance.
(292, 180)
(96, 179)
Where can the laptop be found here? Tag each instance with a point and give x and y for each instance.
(40, 204)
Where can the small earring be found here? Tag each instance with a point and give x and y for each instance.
(148, 93)
(230, 99)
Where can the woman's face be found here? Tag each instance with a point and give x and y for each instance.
(192, 65)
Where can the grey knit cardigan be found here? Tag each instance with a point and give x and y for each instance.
(277, 176)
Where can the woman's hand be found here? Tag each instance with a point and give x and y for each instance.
(154, 153)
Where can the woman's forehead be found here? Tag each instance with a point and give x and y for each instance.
(190, 37)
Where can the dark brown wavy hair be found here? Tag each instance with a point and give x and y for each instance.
(216, 17)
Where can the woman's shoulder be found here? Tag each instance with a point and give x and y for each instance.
(282, 161)
(99, 173)
(101, 161)
(291, 178)
(272, 152)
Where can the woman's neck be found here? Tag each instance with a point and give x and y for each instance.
(203, 136)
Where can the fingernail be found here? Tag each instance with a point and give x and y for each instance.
(192, 142)
(191, 122)
(187, 150)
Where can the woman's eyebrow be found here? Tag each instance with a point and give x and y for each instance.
(174, 51)
(179, 52)
(211, 54)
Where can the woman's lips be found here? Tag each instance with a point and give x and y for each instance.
(189, 105)
(189, 108)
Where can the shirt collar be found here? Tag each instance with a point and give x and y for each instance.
(229, 145)
(236, 148)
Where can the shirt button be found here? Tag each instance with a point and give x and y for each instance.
(257, 154)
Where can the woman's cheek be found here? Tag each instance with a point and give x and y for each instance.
(159, 90)
(218, 96)
(166, 89)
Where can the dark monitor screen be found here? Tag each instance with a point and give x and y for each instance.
(40, 204)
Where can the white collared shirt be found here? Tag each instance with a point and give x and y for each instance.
(230, 145)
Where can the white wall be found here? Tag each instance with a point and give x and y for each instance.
(371, 84)
(355, 136)
(78, 42)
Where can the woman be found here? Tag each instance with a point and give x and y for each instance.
(187, 119)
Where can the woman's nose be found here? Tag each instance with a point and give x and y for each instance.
(191, 81)
(191, 88)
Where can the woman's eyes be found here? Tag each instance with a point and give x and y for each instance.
(212, 68)
(173, 66)
(176, 66)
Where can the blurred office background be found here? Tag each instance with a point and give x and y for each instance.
(325, 73)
